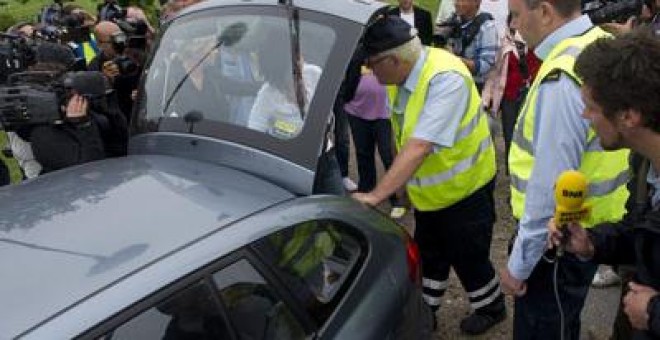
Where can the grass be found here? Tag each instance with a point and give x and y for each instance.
(429, 5)
(15, 172)
(28, 9)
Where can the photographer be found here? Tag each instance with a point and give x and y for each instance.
(76, 140)
(119, 66)
(622, 16)
(621, 82)
(72, 140)
(472, 36)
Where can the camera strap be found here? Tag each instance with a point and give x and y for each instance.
(472, 29)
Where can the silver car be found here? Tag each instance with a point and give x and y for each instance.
(211, 228)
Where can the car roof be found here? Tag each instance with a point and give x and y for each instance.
(355, 10)
(67, 235)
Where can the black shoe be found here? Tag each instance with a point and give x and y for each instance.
(478, 323)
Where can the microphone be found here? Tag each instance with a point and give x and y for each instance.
(571, 190)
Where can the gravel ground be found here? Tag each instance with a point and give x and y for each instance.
(598, 314)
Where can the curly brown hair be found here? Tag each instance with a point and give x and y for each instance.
(624, 73)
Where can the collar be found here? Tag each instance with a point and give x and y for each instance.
(413, 77)
(570, 29)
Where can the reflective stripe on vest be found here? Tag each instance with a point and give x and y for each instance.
(607, 172)
(450, 174)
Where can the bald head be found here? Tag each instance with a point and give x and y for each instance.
(105, 29)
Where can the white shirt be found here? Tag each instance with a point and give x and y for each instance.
(499, 9)
(275, 113)
(22, 152)
(408, 17)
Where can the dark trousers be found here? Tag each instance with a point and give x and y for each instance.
(328, 177)
(622, 329)
(342, 141)
(459, 237)
(537, 314)
(367, 135)
(510, 111)
(4, 173)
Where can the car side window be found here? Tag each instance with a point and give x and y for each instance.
(192, 313)
(314, 259)
(254, 310)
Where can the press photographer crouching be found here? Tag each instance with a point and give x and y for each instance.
(122, 52)
(53, 117)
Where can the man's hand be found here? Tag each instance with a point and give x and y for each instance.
(366, 198)
(619, 29)
(510, 285)
(77, 107)
(574, 239)
(110, 69)
(636, 305)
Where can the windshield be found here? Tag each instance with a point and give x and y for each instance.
(238, 70)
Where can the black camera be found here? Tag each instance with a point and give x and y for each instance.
(126, 65)
(35, 98)
(111, 11)
(16, 54)
(448, 29)
(612, 11)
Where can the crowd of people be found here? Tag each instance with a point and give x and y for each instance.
(571, 95)
(98, 60)
(563, 88)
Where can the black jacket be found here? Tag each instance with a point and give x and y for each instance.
(423, 23)
(635, 240)
(59, 146)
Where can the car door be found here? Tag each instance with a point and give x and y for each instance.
(286, 285)
(230, 299)
(230, 84)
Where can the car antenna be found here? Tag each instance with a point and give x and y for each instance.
(229, 36)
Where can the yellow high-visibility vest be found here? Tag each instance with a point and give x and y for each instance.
(451, 174)
(607, 172)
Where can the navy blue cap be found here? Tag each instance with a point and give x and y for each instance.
(387, 32)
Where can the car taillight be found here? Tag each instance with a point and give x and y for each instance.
(414, 261)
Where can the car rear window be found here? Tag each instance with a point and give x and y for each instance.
(240, 69)
(317, 260)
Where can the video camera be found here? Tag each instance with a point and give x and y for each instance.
(448, 29)
(16, 54)
(111, 11)
(62, 27)
(136, 30)
(36, 98)
(601, 12)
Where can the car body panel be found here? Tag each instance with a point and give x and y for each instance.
(359, 11)
(98, 222)
(281, 172)
(92, 244)
(383, 273)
